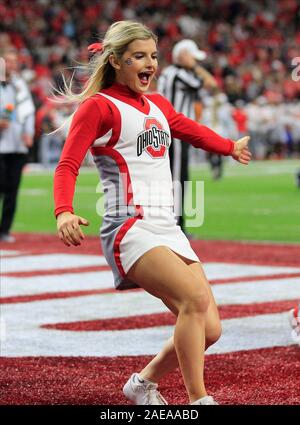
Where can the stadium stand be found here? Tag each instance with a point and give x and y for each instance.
(250, 47)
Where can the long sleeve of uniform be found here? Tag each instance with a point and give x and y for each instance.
(83, 132)
(190, 131)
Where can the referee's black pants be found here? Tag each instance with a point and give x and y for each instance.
(184, 174)
(11, 166)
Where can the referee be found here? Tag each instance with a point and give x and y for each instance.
(180, 83)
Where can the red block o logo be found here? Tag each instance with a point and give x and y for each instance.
(152, 151)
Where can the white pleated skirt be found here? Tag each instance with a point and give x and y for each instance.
(127, 238)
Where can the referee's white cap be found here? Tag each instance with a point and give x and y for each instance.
(191, 47)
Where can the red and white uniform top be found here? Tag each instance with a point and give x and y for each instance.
(129, 135)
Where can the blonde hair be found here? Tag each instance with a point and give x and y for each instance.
(116, 40)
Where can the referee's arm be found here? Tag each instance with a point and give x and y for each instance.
(209, 81)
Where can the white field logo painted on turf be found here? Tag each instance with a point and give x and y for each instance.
(27, 337)
(2, 329)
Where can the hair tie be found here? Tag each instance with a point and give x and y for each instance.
(95, 48)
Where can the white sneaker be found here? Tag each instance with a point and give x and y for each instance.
(144, 392)
(294, 319)
(206, 401)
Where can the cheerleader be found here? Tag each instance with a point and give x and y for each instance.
(129, 133)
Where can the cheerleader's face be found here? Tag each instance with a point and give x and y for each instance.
(138, 65)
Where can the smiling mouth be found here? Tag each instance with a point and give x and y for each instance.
(144, 77)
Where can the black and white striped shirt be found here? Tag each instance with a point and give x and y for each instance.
(180, 87)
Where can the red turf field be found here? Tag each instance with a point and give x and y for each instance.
(44, 320)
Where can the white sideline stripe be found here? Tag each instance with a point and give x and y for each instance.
(225, 293)
(35, 285)
(43, 192)
(35, 192)
(91, 307)
(8, 253)
(250, 333)
(49, 262)
(114, 305)
(231, 270)
(257, 292)
(245, 333)
(213, 270)
(25, 337)
(257, 168)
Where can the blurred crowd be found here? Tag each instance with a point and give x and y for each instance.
(250, 47)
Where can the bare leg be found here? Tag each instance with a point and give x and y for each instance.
(163, 363)
(166, 360)
(162, 272)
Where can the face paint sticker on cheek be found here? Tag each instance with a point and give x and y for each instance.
(128, 61)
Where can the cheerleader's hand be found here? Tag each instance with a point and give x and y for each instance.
(241, 152)
(68, 226)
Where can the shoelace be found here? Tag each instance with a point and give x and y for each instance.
(154, 395)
